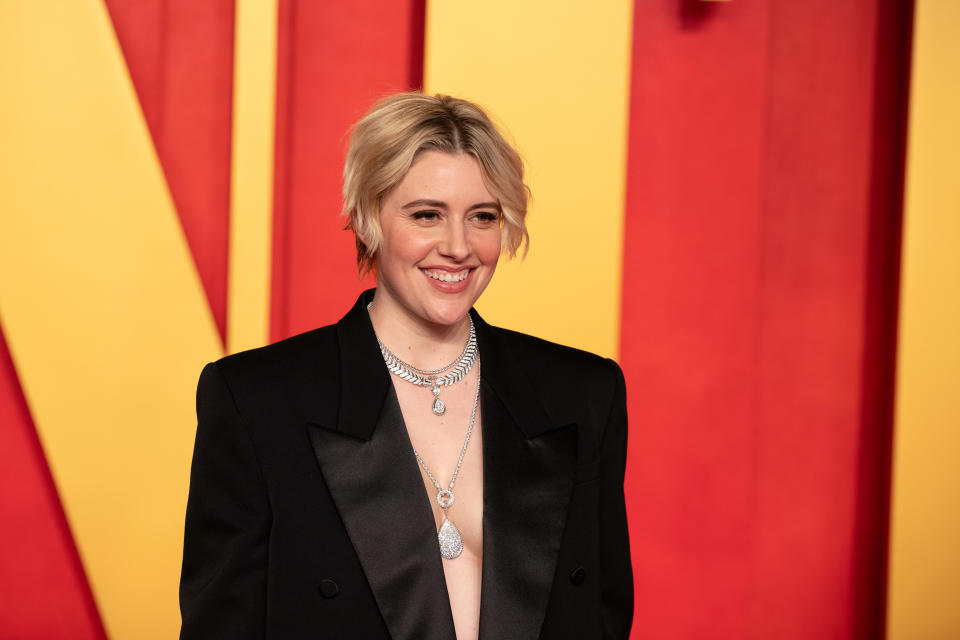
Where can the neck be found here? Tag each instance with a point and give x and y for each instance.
(424, 345)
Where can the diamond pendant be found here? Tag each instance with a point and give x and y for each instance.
(438, 407)
(451, 544)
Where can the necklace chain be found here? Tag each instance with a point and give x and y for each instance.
(463, 450)
(451, 542)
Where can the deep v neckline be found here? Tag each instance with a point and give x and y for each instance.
(464, 520)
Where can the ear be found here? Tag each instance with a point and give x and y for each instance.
(366, 259)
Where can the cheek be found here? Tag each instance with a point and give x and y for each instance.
(402, 248)
(488, 247)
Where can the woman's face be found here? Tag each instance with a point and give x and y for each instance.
(441, 239)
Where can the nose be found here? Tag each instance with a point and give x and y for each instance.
(455, 243)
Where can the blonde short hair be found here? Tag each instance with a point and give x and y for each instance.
(385, 143)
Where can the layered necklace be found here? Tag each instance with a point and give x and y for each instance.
(451, 542)
(430, 377)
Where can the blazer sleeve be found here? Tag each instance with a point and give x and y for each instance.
(617, 574)
(223, 580)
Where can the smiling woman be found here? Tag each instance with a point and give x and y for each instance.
(334, 491)
(440, 241)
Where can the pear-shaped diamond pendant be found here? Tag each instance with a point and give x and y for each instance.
(438, 407)
(451, 544)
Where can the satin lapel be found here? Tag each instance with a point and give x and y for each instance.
(379, 494)
(528, 473)
(369, 468)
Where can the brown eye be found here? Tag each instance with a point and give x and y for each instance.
(427, 216)
(487, 216)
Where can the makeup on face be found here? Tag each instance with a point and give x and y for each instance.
(441, 239)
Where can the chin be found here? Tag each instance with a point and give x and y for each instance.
(449, 313)
(448, 309)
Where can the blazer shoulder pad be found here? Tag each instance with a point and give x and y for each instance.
(289, 375)
(563, 375)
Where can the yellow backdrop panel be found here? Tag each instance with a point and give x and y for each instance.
(557, 74)
(251, 182)
(103, 308)
(924, 553)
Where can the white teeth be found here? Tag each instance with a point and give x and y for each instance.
(443, 276)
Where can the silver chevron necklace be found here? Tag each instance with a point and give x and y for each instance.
(428, 377)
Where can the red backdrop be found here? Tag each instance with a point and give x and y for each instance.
(762, 230)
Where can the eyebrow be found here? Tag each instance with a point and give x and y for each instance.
(439, 204)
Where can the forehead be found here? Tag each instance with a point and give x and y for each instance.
(443, 176)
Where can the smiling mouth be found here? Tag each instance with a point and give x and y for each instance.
(446, 276)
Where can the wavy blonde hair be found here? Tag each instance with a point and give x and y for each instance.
(385, 143)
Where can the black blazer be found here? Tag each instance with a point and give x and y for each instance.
(307, 516)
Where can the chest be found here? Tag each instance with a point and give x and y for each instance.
(449, 448)
(446, 453)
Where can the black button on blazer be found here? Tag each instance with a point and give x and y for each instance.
(307, 516)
